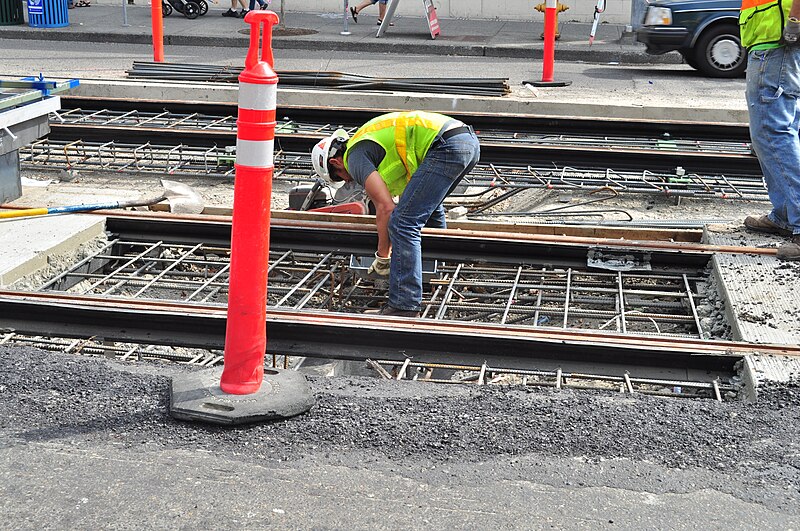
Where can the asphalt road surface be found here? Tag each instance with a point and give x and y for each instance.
(656, 84)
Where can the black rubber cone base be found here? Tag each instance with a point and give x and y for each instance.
(548, 83)
(197, 396)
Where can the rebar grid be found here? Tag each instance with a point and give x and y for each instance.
(198, 121)
(217, 162)
(485, 375)
(423, 372)
(179, 160)
(647, 303)
(631, 302)
(122, 351)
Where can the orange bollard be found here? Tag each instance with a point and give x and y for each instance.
(239, 393)
(246, 337)
(548, 59)
(158, 31)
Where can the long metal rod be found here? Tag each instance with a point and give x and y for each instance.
(334, 335)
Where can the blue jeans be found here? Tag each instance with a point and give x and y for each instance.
(443, 167)
(773, 88)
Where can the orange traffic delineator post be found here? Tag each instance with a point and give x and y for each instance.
(242, 395)
(157, 23)
(245, 338)
(548, 60)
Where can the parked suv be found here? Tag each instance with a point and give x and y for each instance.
(705, 32)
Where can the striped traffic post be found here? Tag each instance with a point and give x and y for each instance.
(239, 393)
(246, 338)
(548, 59)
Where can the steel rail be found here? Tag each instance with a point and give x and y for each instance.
(215, 162)
(663, 130)
(361, 237)
(124, 126)
(496, 146)
(155, 124)
(359, 337)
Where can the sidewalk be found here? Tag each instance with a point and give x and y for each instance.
(409, 36)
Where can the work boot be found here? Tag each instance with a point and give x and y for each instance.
(764, 224)
(790, 250)
(394, 312)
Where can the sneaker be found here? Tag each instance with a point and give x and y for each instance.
(242, 13)
(230, 13)
(381, 22)
(394, 312)
(263, 5)
(790, 250)
(764, 224)
(354, 14)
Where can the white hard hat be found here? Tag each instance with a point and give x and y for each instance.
(322, 152)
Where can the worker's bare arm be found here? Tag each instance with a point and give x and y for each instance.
(384, 205)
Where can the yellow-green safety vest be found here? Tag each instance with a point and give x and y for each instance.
(761, 22)
(406, 138)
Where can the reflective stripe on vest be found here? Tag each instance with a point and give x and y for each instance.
(406, 138)
(762, 21)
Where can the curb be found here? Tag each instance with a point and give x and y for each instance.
(564, 53)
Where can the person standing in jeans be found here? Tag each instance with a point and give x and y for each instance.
(417, 156)
(769, 31)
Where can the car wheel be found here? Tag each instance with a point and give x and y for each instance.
(688, 56)
(719, 53)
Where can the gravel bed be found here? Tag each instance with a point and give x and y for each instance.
(76, 400)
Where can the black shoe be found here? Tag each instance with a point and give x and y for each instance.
(230, 13)
(243, 12)
(354, 13)
(394, 312)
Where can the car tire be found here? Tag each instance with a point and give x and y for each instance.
(719, 52)
(688, 57)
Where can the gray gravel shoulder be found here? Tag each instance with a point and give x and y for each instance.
(427, 433)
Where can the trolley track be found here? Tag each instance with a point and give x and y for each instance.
(106, 296)
(585, 143)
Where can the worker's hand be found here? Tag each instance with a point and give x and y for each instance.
(380, 266)
(791, 31)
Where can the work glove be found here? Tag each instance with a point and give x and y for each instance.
(380, 266)
(791, 31)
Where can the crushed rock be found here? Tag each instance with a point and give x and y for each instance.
(52, 396)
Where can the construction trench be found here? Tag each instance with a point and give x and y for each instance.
(589, 264)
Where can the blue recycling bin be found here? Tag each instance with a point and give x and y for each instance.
(48, 13)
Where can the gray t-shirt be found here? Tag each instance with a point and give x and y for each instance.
(363, 159)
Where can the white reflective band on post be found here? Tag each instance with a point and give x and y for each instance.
(256, 154)
(550, 4)
(258, 97)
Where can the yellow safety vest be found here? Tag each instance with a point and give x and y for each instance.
(406, 138)
(761, 22)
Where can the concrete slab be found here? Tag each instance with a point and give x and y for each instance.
(758, 290)
(283, 394)
(521, 103)
(28, 243)
(757, 371)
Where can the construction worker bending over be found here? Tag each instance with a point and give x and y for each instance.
(417, 156)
